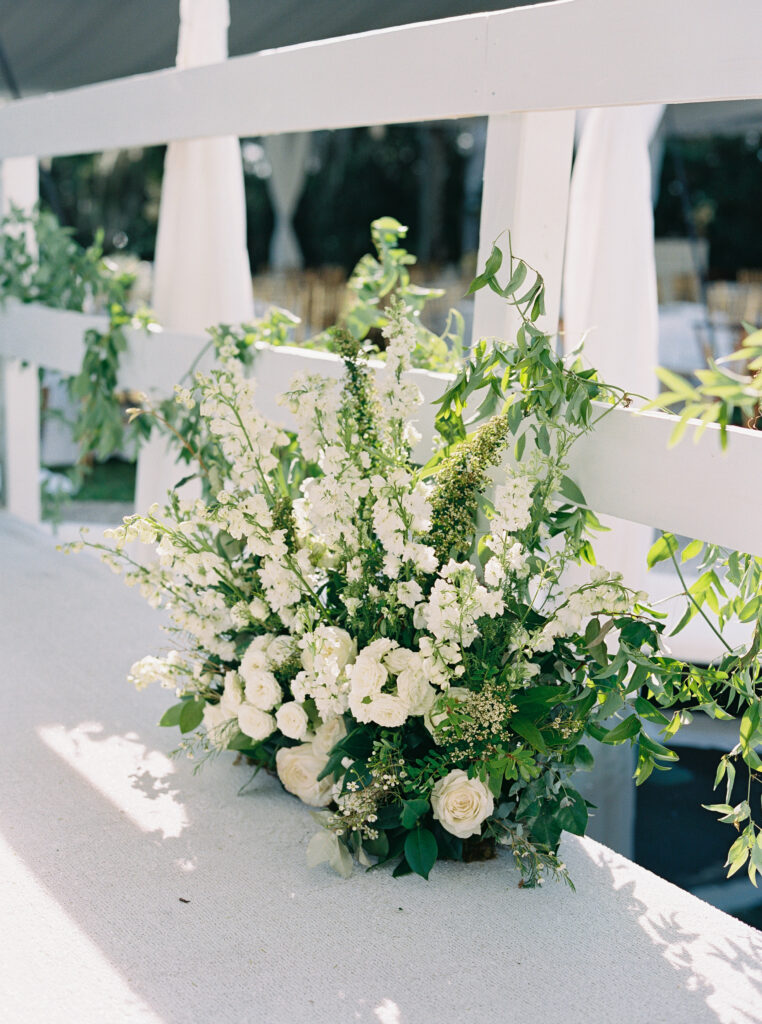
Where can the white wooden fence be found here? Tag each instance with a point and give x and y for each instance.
(527, 69)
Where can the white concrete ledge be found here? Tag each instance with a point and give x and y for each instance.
(102, 839)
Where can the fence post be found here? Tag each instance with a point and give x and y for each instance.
(19, 186)
(527, 170)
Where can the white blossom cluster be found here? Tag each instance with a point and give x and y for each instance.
(289, 611)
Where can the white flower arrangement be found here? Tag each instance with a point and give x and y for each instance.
(339, 622)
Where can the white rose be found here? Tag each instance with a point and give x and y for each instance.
(254, 722)
(292, 720)
(367, 676)
(415, 690)
(388, 710)
(215, 720)
(359, 705)
(262, 689)
(298, 769)
(328, 642)
(328, 735)
(461, 804)
(398, 659)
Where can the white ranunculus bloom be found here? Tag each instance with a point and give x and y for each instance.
(387, 710)
(328, 735)
(254, 722)
(292, 720)
(262, 689)
(461, 804)
(298, 769)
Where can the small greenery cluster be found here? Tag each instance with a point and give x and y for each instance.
(40, 262)
(729, 583)
(426, 655)
(377, 284)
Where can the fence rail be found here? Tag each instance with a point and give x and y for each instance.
(528, 69)
(556, 56)
(624, 467)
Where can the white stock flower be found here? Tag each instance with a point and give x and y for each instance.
(292, 720)
(254, 722)
(298, 769)
(460, 804)
(409, 593)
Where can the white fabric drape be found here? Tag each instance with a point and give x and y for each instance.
(609, 272)
(201, 272)
(288, 156)
(609, 298)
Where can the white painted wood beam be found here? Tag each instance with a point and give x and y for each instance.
(19, 186)
(564, 55)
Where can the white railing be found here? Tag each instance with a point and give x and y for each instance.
(527, 69)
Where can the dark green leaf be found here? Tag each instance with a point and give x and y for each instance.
(421, 851)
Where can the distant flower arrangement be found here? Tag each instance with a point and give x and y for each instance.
(403, 645)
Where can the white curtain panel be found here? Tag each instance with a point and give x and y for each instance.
(288, 155)
(201, 272)
(609, 272)
(609, 298)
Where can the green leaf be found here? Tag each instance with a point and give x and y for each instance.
(494, 262)
(191, 715)
(388, 816)
(378, 847)
(520, 446)
(528, 730)
(570, 490)
(624, 731)
(516, 280)
(172, 715)
(573, 817)
(583, 759)
(421, 851)
(663, 549)
(412, 810)
(691, 550)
